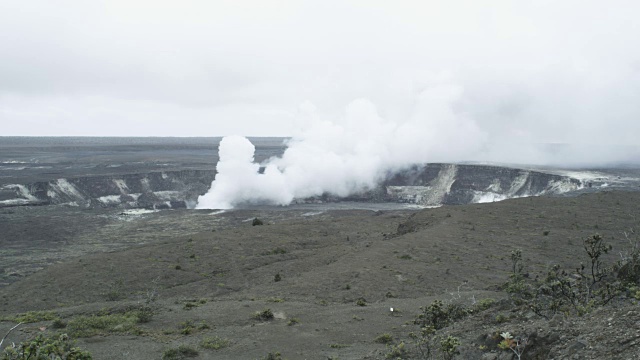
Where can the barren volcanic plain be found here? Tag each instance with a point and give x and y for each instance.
(315, 281)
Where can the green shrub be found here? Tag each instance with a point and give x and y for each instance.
(188, 327)
(87, 326)
(144, 314)
(58, 324)
(438, 316)
(215, 343)
(484, 304)
(396, 351)
(256, 222)
(264, 315)
(449, 347)
(45, 348)
(276, 251)
(190, 305)
(179, 353)
(384, 339)
(115, 290)
(203, 325)
(273, 356)
(33, 316)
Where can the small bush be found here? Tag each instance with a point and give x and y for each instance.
(179, 353)
(58, 324)
(449, 347)
(276, 251)
(189, 327)
(144, 314)
(293, 321)
(203, 326)
(190, 305)
(264, 315)
(273, 356)
(384, 339)
(215, 343)
(256, 222)
(115, 290)
(361, 302)
(87, 326)
(396, 351)
(438, 316)
(45, 348)
(484, 304)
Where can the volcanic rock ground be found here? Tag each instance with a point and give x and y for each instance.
(216, 268)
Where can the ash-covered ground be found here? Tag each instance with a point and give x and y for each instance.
(214, 268)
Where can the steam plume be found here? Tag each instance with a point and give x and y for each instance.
(347, 155)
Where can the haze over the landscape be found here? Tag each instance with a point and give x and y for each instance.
(462, 80)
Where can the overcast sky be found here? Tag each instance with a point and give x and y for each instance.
(524, 71)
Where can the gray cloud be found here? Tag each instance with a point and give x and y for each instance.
(529, 72)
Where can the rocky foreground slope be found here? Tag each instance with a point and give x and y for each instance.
(329, 279)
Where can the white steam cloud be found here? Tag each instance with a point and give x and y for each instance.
(345, 156)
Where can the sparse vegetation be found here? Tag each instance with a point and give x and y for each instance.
(398, 351)
(438, 315)
(115, 290)
(87, 326)
(578, 292)
(534, 285)
(484, 304)
(179, 353)
(273, 356)
(449, 347)
(187, 327)
(60, 347)
(257, 222)
(276, 251)
(215, 343)
(32, 317)
(58, 324)
(516, 345)
(264, 315)
(384, 339)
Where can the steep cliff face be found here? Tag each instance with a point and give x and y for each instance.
(438, 184)
(428, 185)
(170, 189)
